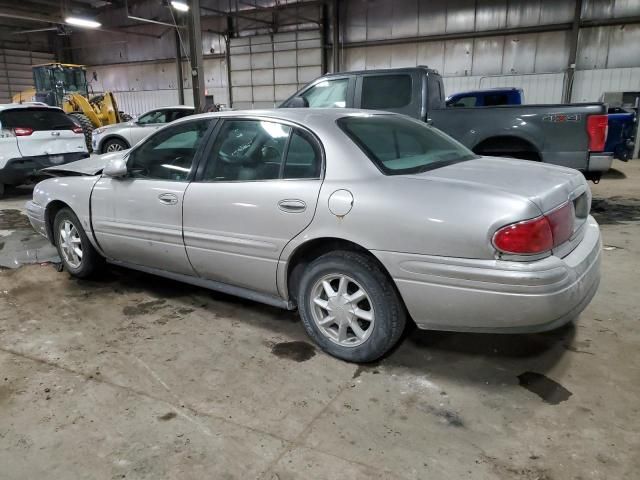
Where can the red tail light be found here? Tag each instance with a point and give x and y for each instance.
(561, 222)
(597, 131)
(22, 131)
(537, 235)
(77, 129)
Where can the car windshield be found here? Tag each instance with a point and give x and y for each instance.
(399, 145)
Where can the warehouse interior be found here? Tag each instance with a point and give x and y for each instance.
(131, 374)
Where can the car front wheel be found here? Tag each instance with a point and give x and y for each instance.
(114, 145)
(78, 256)
(349, 306)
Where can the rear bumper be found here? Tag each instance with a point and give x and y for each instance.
(599, 162)
(17, 170)
(444, 293)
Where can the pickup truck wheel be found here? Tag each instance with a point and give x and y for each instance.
(349, 307)
(1, 190)
(113, 145)
(78, 256)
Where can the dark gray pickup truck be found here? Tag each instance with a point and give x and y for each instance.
(571, 135)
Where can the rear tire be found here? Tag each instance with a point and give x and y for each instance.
(349, 306)
(1, 190)
(113, 145)
(78, 256)
(87, 127)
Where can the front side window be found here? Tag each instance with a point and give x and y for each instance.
(386, 91)
(328, 94)
(247, 150)
(398, 145)
(158, 116)
(169, 154)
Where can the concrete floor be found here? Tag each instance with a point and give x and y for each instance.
(132, 376)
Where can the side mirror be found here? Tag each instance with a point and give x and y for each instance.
(298, 102)
(116, 168)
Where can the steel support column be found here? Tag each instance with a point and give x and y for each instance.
(195, 55)
(573, 53)
(179, 81)
(335, 36)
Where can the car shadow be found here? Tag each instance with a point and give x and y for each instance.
(614, 174)
(473, 357)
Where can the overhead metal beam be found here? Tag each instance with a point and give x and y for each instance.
(236, 15)
(59, 21)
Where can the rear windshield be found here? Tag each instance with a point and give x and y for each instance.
(36, 118)
(399, 145)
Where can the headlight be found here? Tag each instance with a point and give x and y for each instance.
(98, 131)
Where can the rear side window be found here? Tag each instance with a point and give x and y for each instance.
(36, 119)
(386, 91)
(303, 158)
(398, 145)
(496, 99)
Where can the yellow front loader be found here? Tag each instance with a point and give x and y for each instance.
(64, 85)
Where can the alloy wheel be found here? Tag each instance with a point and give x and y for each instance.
(342, 310)
(70, 244)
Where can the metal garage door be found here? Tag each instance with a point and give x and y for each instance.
(266, 69)
(15, 71)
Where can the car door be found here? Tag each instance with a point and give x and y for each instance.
(138, 218)
(147, 124)
(333, 92)
(257, 188)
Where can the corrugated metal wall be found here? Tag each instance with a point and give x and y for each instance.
(15, 70)
(535, 62)
(143, 86)
(266, 69)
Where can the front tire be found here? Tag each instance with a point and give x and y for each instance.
(78, 256)
(87, 127)
(113, 145)
(349, 306)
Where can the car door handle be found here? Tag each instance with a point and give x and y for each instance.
(292, 206)
(168, 199)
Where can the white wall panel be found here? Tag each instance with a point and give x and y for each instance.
(589, 85)
(266, 69)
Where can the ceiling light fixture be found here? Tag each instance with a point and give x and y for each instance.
(180, 6)
(82, 22)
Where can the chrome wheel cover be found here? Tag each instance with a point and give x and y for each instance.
(342, 310)
(70, 244)
(114, 147)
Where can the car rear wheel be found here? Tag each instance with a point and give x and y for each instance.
(78, 256)
(349, 306)
(114, 145)
(1, 190)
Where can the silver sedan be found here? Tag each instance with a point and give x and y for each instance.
(363, 221)
(121, 136)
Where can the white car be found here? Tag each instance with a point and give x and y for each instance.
(122, 136)
(33, 137)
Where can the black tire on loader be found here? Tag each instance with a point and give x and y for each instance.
(87, 127)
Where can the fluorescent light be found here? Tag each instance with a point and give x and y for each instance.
(181, 6)
(82, 22)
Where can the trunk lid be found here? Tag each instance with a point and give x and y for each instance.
(546, 186)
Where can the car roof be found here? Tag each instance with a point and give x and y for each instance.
(15, 106)
(177, 107)
(311, 117)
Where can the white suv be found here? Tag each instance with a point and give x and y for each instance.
(33, 137)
